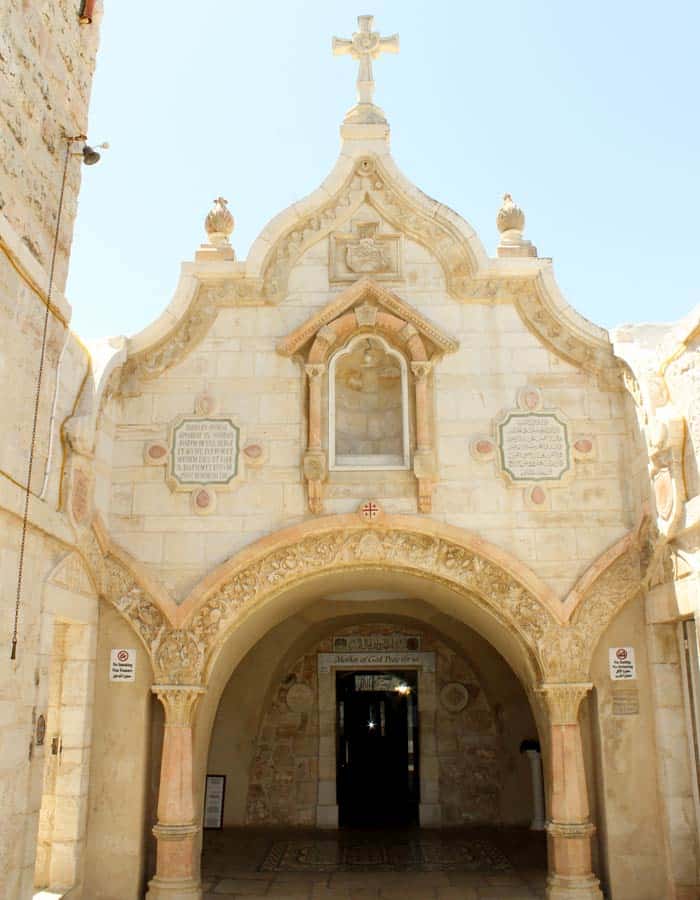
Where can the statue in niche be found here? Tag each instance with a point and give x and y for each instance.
(370, 420)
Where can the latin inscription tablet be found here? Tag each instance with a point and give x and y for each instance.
(204, 451)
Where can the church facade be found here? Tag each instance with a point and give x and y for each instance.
(370, 528)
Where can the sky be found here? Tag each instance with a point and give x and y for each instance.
(587, 113)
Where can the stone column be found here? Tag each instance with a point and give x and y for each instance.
(423, 461)
(420, 372)
(569, 827)
(314, 373)
(535, 760)
(315, 456)
(177, 872)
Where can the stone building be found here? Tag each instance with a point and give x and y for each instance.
(47, 58)
(356, 521)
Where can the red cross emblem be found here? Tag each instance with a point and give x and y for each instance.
(369, 511)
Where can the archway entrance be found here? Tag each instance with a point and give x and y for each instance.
(386, 741)
(291, 588)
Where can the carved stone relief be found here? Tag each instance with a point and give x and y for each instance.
(369, 184)
(441, 559)
(181, 655)
(365, 250)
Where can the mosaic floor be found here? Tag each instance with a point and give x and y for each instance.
(419, 854)
(471, 864)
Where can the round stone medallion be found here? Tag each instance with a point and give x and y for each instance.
(454, 697)
(300, 697)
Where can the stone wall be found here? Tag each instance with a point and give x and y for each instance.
(47, 60)
(237, 364)
(46, 64)
(628, 820)
(121, 807)
(284, 777)
(476, 746)
(52, 678)
(470, 747)
(676, 772)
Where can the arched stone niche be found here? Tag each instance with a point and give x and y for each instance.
(367, 312)
(368, 406)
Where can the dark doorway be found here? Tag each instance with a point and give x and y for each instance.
(377, 725)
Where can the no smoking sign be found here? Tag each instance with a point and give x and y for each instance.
(622, 665)
(122, 665)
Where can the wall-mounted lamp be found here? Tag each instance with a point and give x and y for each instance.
(90, 154)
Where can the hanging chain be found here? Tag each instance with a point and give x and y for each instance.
(37, 397)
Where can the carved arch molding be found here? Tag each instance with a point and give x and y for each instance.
(430, 224)
(182, 642)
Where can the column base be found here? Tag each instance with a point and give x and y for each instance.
(573, 887)
(174, 889)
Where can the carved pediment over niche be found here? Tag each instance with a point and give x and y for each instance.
(373, 425)
(363, 300)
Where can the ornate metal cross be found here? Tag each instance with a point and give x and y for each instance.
(365, 45)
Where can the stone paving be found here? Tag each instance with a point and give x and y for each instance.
(233, 859)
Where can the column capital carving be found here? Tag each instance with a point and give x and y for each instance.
(314, 370)
(179, 701)
(421, 370)
(563, 700)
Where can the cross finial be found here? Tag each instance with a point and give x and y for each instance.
(364, 46)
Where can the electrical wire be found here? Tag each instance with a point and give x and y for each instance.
(37, 398)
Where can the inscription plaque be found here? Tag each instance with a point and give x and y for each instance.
(625, 702)
(328, 661)
(368, 642)
(204, 451)
(534, 446)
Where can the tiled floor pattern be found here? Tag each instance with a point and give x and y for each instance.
(232, 861)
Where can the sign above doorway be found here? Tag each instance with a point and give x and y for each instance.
(366, 643)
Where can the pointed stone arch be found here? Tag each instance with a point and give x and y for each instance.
(377, 181)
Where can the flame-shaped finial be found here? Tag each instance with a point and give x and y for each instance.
(219, 223)
(510, 217)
